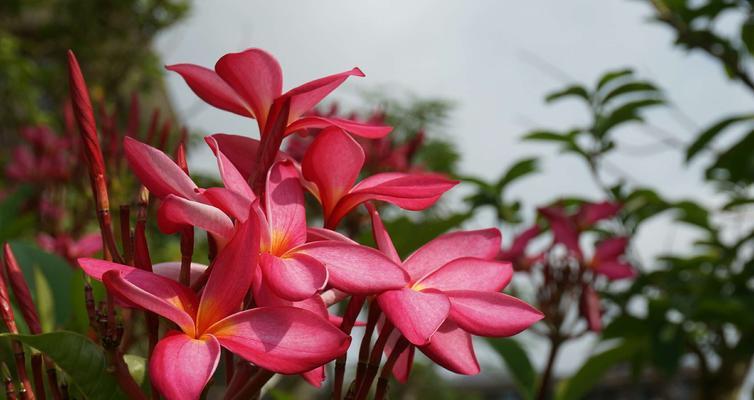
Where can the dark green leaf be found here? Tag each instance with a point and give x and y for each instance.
(631, 87)
(613, 75)
(710, 133)
(548, 136)
(81, 359)
(625, 113)
(747, 35)
(518, 170)
(518, 363)
(571, 91)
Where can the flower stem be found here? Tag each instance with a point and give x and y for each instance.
(373, 316)
(349, 319)
(374, 361)
(253, 386)
(384, 379)
(36, 371)
(544, 388)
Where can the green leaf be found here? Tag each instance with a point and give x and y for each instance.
(44, 301)
(594, 368)
(137, 367)
(571, 91)
(625, 113)
(631, 87)
(81, 359)
(518, 170)
(710, 133)
(747, 35)
(610, 76)
(548, 136)
(518, 363)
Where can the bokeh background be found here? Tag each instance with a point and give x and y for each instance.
(473, 78)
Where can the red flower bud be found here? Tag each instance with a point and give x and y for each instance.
(21, 290)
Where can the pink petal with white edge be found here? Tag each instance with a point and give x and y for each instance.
(181, 366)
(491, 314)
(452, 348)
(356, 269)
(158, 172)
(176, 214)
(256, 76)
(332, 162)
(160, 295)
(172, 270)
(416, 314)
(231, 276)
(211, 88)
(356, 128)
(287, 340)
(284, 207)
(306, 96)
(469, 274)
(483, 243)
(294, 278)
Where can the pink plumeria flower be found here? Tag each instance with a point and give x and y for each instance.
(70, 249)
(286, 340)
(566, 228)
(332, 165)
(454, 292)
(516, 253)
(608, 259)
(250, 84)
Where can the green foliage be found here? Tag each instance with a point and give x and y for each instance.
(82, 360)
(519, 366)
(494, 194)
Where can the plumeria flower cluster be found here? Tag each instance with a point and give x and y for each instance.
(567, 274)
(273, 273)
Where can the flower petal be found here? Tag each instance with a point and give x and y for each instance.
(287, 340)
(256, 76)
(232, 271)
(332, 163)
(284, 206)
(315, 377)
(469, 274)
(415, 191)
(609, 250)
(172, 270)
(491, 314)
(356, 128)
(229, 202)
(306, 96)
(483, 243)
(294, 278)
(160, 174)
(155, 293)
(356, 269)
(452, 348)
(181, 366)
(240, 150)
(402, 367)
(615, 270)
(381, 237)
(176, 213)
(318, 234)
(591, 213)
(231, 176)
(211, 88)
(416, 314)
(266, 297)
(589, 306)
(563, 229)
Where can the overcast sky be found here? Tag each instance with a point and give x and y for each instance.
(487, 56)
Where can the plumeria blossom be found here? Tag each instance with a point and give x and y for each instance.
(608, 259)
(332, 165)
(69, 248)
(567, 228)
(454, 292)
(516, 253)
(296, 270)
(250, 84)
(281, 339)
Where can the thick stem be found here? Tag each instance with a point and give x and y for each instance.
(373, 316)
(187, 253)
(374, 361)
(26, 390)
(251, 389)
(271, 139)
(387, 369)
(52, 379)
(126, 239)
(544, 387)
(349, 319)
(36, 371)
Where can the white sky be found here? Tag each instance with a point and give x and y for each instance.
(478, 54)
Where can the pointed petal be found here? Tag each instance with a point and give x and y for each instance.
(318, 234)
(295, 278)
(256, 76)
(518, 247)
(590, 308)
(563, 229)
(609, 250)
(402, 367)
(211, 88)
(229, 202)
(615, 270)
(157, 171)
(491, 314)
(416, 314)
(176, 213)
(469, 274)
(287, 340)
(87, 245)
(155, 293)
(231, 276)
(368, 131)
(484, 243)
(591, 213)
(172, 270)
(240, 150)
(308, 95)
(181, 366)
(452, 348)
(231, 176)
(266, 297)
(284, 206)
(315, 377)
(332, 163)
(415, 191)
(356, 269)
(381, 237)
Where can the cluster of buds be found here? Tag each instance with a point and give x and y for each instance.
(265, 298)
(567, 277)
